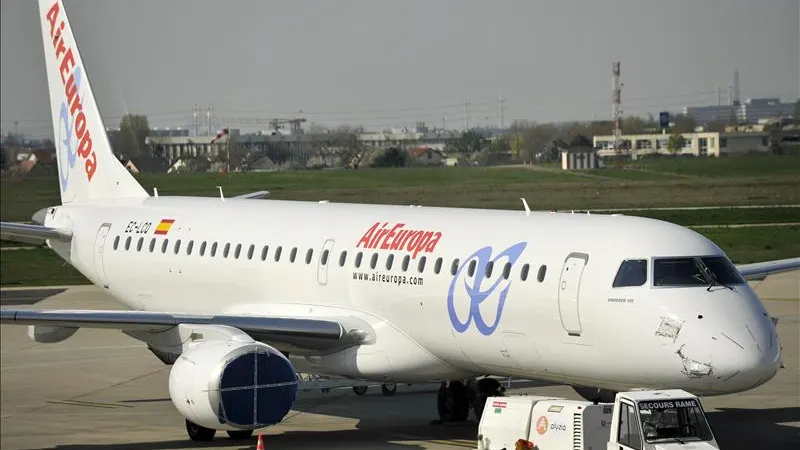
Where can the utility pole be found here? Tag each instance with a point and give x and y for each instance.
(502, 107)
(466, 115)
(208, 118)
(194, 118)
(616, 108)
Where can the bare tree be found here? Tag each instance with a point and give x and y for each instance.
(345, 141)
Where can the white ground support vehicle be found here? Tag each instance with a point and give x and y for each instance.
(637, 420)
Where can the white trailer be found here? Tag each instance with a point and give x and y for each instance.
(637, 420)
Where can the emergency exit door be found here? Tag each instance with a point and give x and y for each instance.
(99, 253)
(569, 286)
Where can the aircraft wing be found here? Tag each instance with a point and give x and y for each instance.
(253, 195)
(759, 270)
(284, 333)
(30, 233)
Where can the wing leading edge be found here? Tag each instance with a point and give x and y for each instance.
(32, 233)
(285, 333)
(760, 270)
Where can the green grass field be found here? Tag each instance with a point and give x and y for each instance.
(666, 182)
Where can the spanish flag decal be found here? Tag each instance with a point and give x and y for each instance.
(164, 226)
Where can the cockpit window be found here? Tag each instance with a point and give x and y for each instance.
(632, 272)
(696, 271)
(673, 421)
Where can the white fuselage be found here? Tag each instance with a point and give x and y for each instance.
(569, 327)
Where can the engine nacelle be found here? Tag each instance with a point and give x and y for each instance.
(233, 385)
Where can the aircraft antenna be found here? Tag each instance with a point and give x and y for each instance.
(155, 192)
(221, 196)
(527, 209)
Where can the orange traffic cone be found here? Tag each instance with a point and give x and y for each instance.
(260, 445)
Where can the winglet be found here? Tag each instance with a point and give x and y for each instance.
(87, 166)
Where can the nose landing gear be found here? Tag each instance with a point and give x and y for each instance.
(455, 399)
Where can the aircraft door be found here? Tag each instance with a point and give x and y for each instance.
(325, 259)
(99, 253)
(569, 292)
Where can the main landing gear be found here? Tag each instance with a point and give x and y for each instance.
(200, 433)
(456, 398)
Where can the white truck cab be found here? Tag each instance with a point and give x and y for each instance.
(637, 420)
(659, 420)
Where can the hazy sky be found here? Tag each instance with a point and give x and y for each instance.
(387, 63)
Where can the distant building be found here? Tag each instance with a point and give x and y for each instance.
(698, 144)
(579, 158)
(752, 110)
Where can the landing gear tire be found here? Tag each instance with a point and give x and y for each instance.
(452, 402)
(240, 435)
(360, 390)
(389, 389)
(487, 387)
(199, 433)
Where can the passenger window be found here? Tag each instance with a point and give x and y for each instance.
(632, 272)
(374, 261)
(264, 252)
(292, 254)
(213, 249)
(542, 273)
(406, 260)
(389, 261)
(359, 255)
(523, 274)
(342, 258)
(189, 247)
(471, 268)
(489, 267)
(116, 242)
(278, 253)
(152, 244)
(309, 255)
(226, 250)
(507, 271)
(250, 251)
(454, 267)
(139, 244)
(421, 265)
(238, 251)
(177, 246)
(203, 248)
(325, 256)
(164, 246)
(128, 243)
(437, 266)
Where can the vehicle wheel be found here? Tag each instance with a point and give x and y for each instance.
(198, 433)
(240, 435)
(453, 403)
(360, 390)
(389, 389)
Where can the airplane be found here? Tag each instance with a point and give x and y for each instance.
(239, 295)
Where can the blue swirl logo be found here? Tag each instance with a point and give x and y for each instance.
(68, 151)
(472, 285)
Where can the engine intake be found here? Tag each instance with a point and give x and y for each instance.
(233, 385)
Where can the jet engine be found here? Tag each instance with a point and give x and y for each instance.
(233, 385)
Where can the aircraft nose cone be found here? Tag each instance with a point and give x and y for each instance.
(746, 356)
(724, 358)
